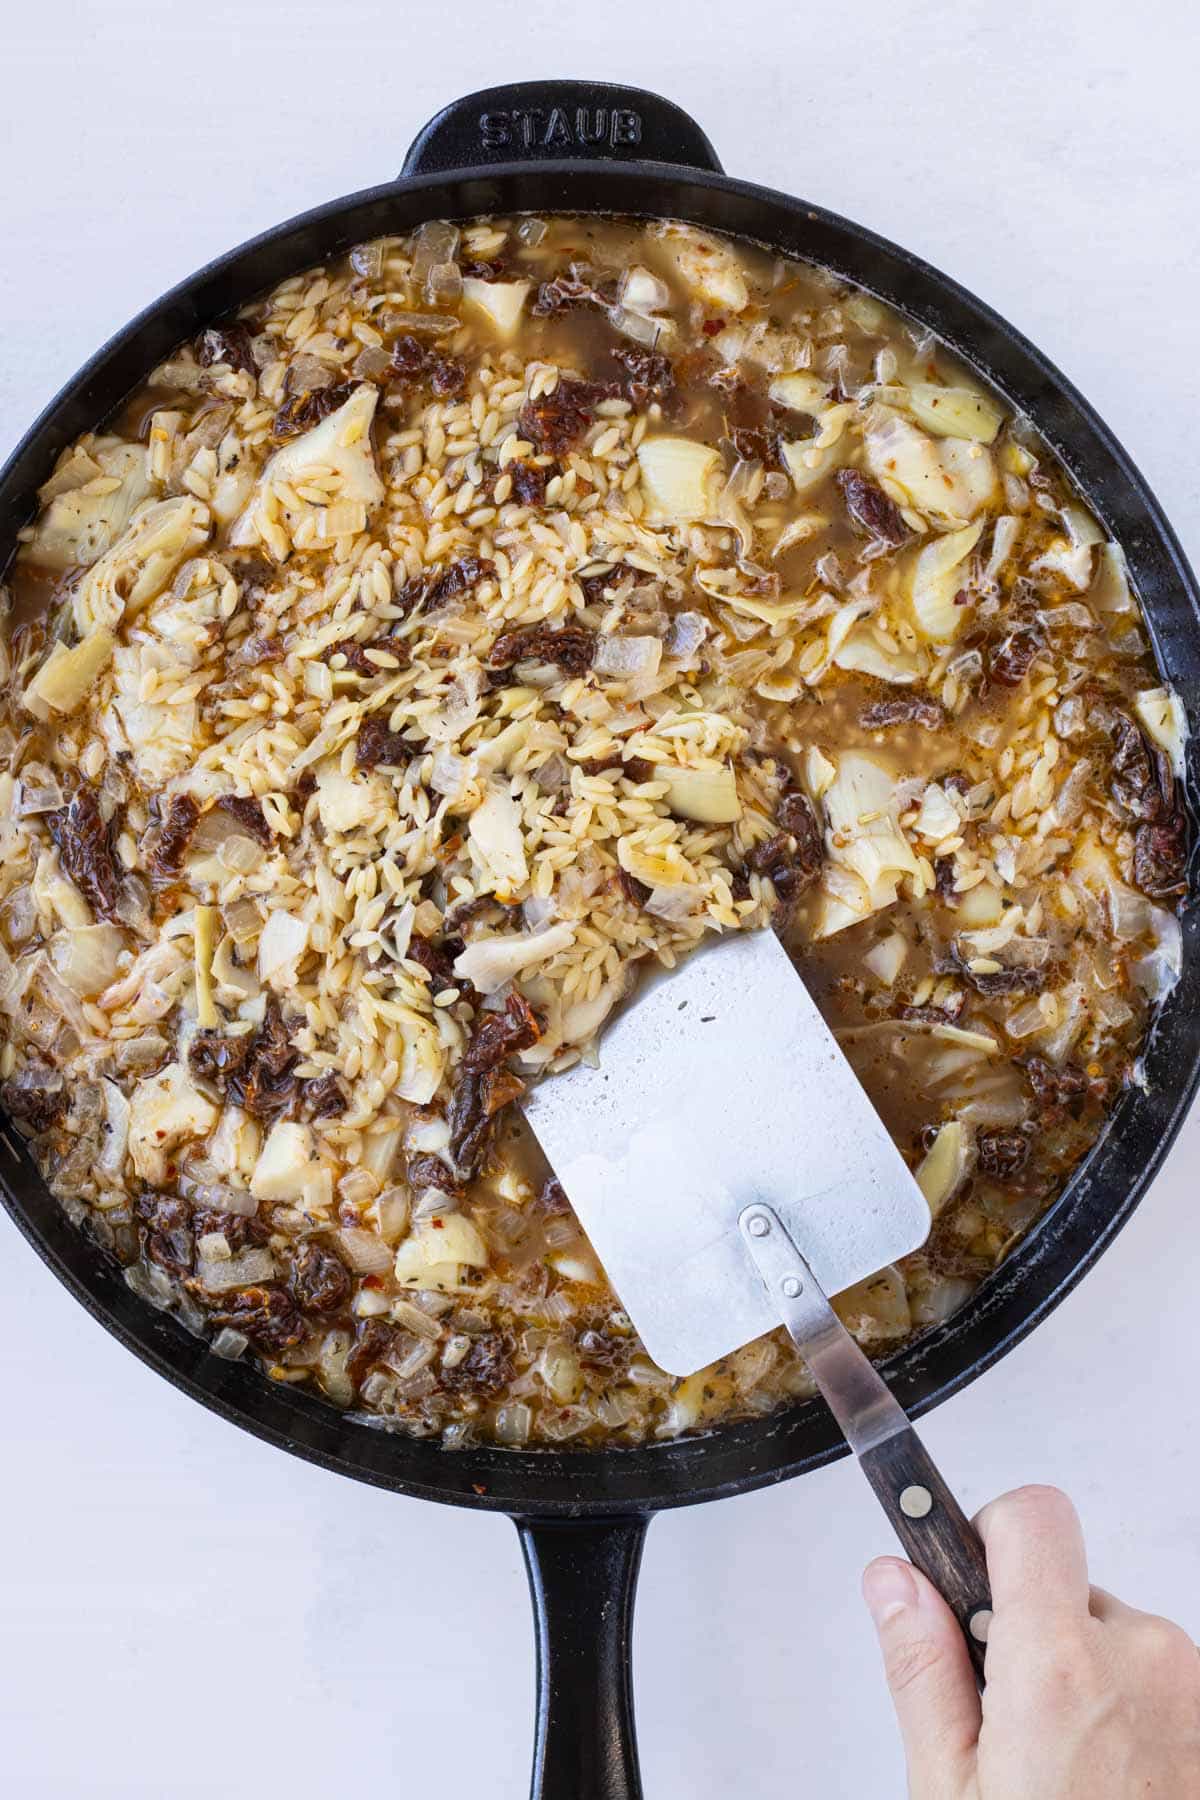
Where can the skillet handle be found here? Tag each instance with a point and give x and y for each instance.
(554, 121)
(582, 1578)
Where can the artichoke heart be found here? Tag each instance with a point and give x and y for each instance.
(677, 474)
(501, 301)
(935, 580)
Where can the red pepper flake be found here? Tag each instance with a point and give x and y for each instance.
(711, 327)
(438, 1224)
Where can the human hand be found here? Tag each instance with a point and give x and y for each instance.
(1086, 1698)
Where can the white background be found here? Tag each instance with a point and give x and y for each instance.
(185, 1611)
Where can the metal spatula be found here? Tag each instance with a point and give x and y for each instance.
(731, 1174)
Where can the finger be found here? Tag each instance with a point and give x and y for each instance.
(1107, 1608)
(929, 1676)
(1037, 1563)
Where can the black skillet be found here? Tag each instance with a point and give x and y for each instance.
(589, 147)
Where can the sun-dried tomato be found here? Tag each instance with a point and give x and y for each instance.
(167, 1232)
(237, 1230)
(300, 412)
(372, 1341)
(552, 1201)
(250, 816)
(529, 480)
(1010, 660)
(227, 344)
(35, 1099)
(756, 445)
(792, 856)
(499, 1035)
(1135, 777)
(437, 958)
(1002, 1154)
(323, 1097)
(870, 509)
(579, 286)
(635, 891)
(648, 374)
(943, 877)
(994, 982)
(907, 711)
(1160, 851)
(484, 1086)
(319, 1280)
(556, 421)
(477, 269)
(1061, 1089)
(85, 848)
(414, 362)
(254, 1071)
(253, 651)
(485, 1370)
(267, 1315)
(376, 745)
(434, 590)
(165, 842)
(426, 1171)
(929, 1015)
(571, 648)
(355, 654)
(604, 1352)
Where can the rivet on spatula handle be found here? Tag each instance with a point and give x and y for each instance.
(936, 1534)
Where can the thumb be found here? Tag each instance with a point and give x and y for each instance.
(930, 1677)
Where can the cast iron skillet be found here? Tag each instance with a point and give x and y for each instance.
(589, 147)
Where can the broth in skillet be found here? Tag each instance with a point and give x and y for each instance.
(469, 622)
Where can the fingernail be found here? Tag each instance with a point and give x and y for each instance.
(888, 1588)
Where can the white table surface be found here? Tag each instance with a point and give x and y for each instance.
(184, 1611)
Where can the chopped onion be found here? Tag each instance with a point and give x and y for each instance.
(367, 260)
(424, 324)
(87, 956)
(626, 656)
(434, 244)
(243, 921)
(229, 1344)
(687, 633)
(40, 792)
(393, 1210)
(364, 1251)
(220, 1274)
(444, 286)
(635, 325)
(448, 773)
(644, 291)
(512, 1425)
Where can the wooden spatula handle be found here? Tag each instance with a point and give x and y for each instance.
(929, 1522)
(936, 1534)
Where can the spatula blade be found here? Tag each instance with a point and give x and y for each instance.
(719, 1085)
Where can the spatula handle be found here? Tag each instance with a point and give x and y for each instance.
(937, 1536)
(935, 1532)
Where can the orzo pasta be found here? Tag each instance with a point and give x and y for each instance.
(468, 622)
